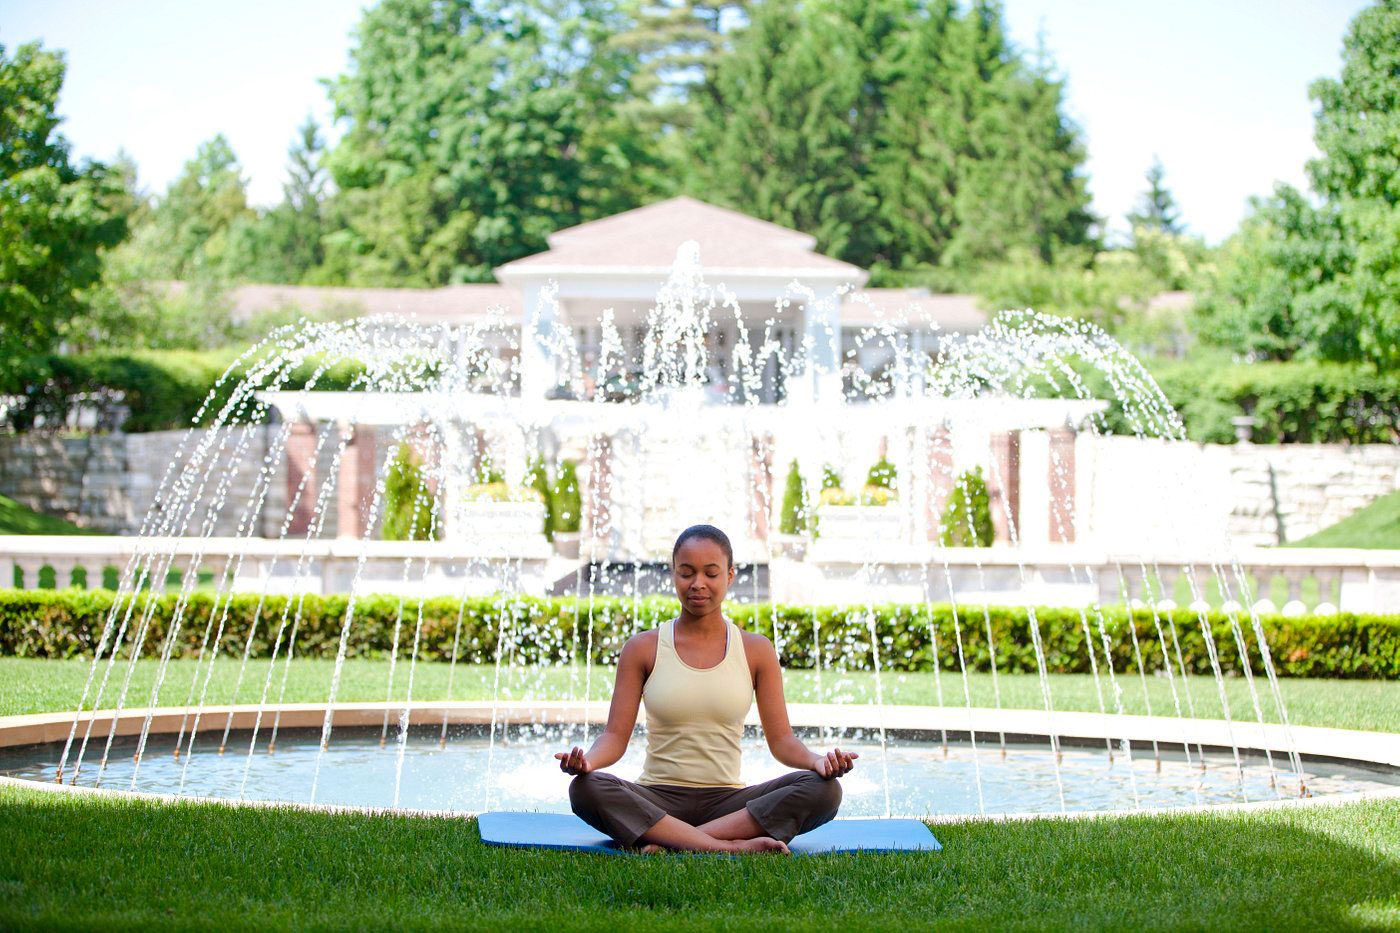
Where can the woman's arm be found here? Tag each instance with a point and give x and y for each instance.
(622, 713)
(773, 714)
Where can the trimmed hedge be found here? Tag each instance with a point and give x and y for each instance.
(1294, 402)
(161, 389)
(66, 623)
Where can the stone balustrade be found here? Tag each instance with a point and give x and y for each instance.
(286, 566)
(1307, 579)
(1291, 580)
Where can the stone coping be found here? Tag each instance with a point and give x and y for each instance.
(1378, 748)
(83, 546)
(1367, 748)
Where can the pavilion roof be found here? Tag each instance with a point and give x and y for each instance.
(869, 306)
(646, 240)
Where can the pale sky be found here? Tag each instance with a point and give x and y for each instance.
(1216, 88)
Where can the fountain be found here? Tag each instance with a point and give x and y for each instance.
(666, 428)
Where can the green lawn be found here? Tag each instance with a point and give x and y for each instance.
(75, 863)
(16, 519)
(29, 686)
(1376, 526)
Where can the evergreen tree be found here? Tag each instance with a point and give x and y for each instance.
(475, 128)
(781, 135)
(407, 499)
(1156, 210)
(967, 516)
(1020, 183)
(794, 518)
(284, 244)
(903, 135)
(188, 233)
(568, 504)
(537, 479)
(677, 44)
(56, 219)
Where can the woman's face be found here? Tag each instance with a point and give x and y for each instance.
(702, 575)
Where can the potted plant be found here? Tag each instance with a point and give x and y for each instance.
(510, 517)
(863, 516)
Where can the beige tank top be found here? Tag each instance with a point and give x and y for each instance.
(695, 717)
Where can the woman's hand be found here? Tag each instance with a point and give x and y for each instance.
(834, 763)
(573, 762)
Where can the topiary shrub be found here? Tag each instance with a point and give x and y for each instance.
(795, 516)
(537, 479)
(407, 499)
(831, 479)
(487, 471)
(568, 505)
(967, 518)
(882, 475)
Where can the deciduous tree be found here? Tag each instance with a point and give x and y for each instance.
(55, 218)
(1319, 277)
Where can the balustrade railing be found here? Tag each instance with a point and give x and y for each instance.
(1291, 580)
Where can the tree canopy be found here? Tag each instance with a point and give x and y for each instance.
(55, 218)
(902, 134)
(475, 128)
(1318, 276)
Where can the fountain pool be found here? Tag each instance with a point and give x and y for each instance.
(940, 428)
(915, 774)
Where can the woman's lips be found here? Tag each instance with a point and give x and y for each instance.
(698, 599)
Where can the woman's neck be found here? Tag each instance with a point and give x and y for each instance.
(709, 622)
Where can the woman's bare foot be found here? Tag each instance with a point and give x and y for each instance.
(654, 849)
(761, 844)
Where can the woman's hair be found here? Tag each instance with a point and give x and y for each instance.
(708, 533)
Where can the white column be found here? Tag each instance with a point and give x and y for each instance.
(821, 333)
(538, 360)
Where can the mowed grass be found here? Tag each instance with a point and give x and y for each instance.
(31, 686)
(16, 519)
(1375, 526)
(81, 863)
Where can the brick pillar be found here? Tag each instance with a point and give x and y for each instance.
(595, 490)
(1004, 483)
(1061, 480)
(760, 485)
(356, 481)
(301, 463)
(940, 478)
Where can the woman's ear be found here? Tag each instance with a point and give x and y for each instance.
(731, 573)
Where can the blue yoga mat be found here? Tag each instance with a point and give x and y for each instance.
(566, 831)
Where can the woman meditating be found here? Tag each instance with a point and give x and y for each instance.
(699, 674)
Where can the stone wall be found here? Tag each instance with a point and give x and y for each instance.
(1188, 495)
(81, 479)
(1285, 493)
(108, 482)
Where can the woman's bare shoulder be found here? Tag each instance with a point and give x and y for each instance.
(642, 646)
(754, 638)
(758, 647)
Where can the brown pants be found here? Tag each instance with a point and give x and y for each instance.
(785, 807)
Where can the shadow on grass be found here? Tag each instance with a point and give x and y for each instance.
(86, 863)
